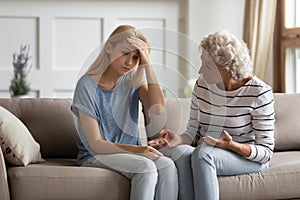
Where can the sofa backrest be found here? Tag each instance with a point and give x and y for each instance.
(178, 113)
(177, 109)
(287, 124)
(50, 122)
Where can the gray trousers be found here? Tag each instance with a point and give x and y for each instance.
(150, 180)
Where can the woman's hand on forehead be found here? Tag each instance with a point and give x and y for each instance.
(142, 47)
(138, 43)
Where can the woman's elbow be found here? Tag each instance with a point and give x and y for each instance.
(157, 109)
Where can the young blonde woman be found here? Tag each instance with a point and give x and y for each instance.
(231, 124)
(106, 102)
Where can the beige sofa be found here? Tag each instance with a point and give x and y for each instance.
(51, 124)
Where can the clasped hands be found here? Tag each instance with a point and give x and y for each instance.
(171, 139)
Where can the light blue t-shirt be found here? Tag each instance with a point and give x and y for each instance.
(116, 111)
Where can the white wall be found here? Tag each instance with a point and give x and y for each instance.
(62, 35)
(208, 16)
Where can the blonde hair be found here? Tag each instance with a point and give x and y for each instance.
(102, 62)
(228, 52)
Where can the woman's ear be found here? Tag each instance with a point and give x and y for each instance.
(108, 47)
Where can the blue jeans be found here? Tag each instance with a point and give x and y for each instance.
(199, 167)
(149, 179)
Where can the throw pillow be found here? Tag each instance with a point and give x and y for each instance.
(17, 144)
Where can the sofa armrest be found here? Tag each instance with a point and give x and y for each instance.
(4, 191)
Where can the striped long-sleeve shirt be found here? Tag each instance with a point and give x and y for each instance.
(247, 114)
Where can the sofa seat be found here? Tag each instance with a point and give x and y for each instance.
(62, 179)
(271, 184)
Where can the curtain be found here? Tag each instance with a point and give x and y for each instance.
(259, 20)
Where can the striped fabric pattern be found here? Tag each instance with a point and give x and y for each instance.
(247, 114)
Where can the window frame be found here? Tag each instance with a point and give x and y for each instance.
(283, 38)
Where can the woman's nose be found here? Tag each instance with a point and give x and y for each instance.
(201, 70)
(129, 60)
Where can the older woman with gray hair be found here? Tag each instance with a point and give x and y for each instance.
(231, 126)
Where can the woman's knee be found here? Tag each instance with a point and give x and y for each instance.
(203, 150)
(182, 151)
(144, 165)
(202, 153)
(166, 169)
(165, 163)
(145, 174)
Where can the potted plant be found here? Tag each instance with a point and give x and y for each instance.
(19, 85)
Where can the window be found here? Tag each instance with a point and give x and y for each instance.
(287, 47)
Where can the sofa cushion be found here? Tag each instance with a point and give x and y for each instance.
(62, 179)
(280, 181)
(287, 126)
(4, 187)
(50, 122)
(17, 144)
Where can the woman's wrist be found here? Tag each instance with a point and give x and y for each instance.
(241, 149)
(138, 149)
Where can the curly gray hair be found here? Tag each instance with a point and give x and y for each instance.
(228, 52)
